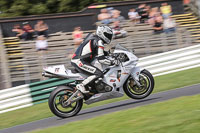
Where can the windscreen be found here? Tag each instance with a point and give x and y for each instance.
(120, 47)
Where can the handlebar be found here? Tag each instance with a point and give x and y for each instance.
(115, 57)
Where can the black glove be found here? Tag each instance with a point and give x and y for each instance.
(106, 53)
(115, 62)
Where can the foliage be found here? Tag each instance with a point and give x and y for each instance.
(10, 8)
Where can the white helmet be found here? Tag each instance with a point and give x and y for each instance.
(105, 33)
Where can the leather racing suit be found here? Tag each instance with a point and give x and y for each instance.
(92, 47)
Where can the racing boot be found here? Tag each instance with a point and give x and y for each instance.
(81, 87)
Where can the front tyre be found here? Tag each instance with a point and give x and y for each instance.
(147, 85)
(58, 105)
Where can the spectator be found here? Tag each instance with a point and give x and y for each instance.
(152, 15)
(18, 31)
(118, 32)
(134, 16)
(116, 16)
(41, 47)
(104, 17)
(142, 11)
(186, 2)
(77, 36)
(28, 31)
(148, 9)
(109, 10)
(166, 10)
(169, 25)
(158, 28)
(41, 43)
(41, 28)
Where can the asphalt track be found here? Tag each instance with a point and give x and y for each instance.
(104, 109)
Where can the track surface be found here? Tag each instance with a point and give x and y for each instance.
(108, 108)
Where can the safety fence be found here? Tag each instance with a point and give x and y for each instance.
(159, 64)
(29, 94)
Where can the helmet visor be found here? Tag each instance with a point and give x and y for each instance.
(109, 36)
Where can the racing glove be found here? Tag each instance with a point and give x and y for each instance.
(115, 62)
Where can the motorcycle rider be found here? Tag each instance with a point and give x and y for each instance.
(92, 47)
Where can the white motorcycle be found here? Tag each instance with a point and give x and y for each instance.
(137, 83)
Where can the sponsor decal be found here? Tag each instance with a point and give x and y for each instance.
(119, 79)
(125, 73)
(88, 68)
(57, 70)
(112, 80)
(112, 76)
(80, 64)
(119, 75)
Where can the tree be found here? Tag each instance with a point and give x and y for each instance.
(52, 5)
(69, 5)
(38, 9)
(10, 8)
(20, 7)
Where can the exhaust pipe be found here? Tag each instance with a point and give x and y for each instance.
(44, 74)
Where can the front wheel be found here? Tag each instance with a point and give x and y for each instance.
(146, 81)
(58, 105)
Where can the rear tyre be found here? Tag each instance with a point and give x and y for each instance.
(147, 85)
(58, 105)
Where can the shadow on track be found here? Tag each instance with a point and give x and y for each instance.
(121, 105)
(111, 107)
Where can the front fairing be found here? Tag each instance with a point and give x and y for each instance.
(129, 53)
(125, 69)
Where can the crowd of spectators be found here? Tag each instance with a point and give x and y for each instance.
(159, 17)
(26, 32)
(112, 17)
(109, 15)
(40, 32)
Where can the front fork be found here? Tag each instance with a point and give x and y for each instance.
(135, 73)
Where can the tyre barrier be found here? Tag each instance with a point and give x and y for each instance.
(38, 92)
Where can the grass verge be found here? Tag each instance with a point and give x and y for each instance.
(173, 116)
(41, 111)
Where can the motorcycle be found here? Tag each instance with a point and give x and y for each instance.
(137, 83)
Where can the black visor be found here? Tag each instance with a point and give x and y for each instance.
(107, 35)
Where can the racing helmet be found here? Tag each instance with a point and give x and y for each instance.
(105, 33)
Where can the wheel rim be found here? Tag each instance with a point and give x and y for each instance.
(60, 102)
(145, 85)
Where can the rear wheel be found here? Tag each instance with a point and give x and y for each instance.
(146, 81)
(58, 104)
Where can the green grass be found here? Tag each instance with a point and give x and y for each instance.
(180, 115)
(37, 112)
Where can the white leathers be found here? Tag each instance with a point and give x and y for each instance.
(90, 49)
(85, 82)
(87, 49)
(101, 56)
